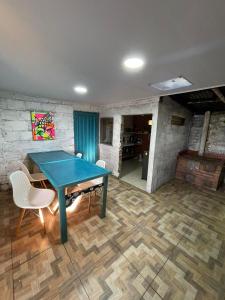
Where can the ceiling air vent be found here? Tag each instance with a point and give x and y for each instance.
(171, 84)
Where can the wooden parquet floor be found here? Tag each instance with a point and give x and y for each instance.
(167, 245)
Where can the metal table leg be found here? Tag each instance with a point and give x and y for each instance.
(104, 197)
(62, 212)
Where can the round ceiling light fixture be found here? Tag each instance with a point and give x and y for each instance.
(133, 63)
(80, 89)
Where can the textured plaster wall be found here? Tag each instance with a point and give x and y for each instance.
(170, 140)
(166, 140)
(111, 154)
(15, 129)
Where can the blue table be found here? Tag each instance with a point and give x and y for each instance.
(62, 170)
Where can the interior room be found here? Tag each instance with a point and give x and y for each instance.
(136, 134)
(112, 150)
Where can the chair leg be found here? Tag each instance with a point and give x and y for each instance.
(89, 204)
(22, 212)
(44, 184)
(42, 219)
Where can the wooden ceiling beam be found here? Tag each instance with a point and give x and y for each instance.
(219, 94)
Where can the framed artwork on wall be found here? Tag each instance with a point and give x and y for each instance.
(43, 127)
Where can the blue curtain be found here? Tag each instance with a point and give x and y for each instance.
(86, 134)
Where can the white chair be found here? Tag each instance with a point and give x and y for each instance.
(36, 177)
(86, 186)
(94, 182)
(25, 196)
(79, 155)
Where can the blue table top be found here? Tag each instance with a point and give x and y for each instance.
(68, 169)
(50, 156)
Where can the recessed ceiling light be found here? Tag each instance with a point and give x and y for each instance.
(80, 89)
(171, 84)
(133, 63)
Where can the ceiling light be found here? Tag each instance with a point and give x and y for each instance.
(172, 84)
(133, 63)
(80, 89)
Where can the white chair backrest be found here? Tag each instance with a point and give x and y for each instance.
(25, 170)
(79, 155)
(100, 163)
(21, 187)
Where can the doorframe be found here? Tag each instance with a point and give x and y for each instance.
(121, 143)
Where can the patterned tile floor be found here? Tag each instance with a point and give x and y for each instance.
(168, 245)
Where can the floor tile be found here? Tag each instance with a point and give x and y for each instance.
(183, 276)
(202, 242)
(150, 294)
(171, 283)
(28, 246)
(167, 245)
(114, 278)
(6, 286)
(145, 250)
(135, 202)
(169, 222)
(43, 276)
(5, 254)
(86, 246)
(72, 290)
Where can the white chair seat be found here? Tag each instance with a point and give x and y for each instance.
(39, 198)
(38, 177)
(96, 181)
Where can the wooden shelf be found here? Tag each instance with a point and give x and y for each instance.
(132, 133)
(132, 145)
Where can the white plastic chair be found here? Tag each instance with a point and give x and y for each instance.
(99, 163)
(94, 182)
(25, 196)
(36, 177)
(79, 155)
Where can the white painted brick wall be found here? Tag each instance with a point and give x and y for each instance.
(15, 129)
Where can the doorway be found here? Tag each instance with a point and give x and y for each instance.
(135, 144)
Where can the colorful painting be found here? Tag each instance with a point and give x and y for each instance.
(43, 127)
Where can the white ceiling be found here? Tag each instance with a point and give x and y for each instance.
(48, 46)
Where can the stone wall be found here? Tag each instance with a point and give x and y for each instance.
(195, 132)
(216, 135)
(170, 140)
(15, 129)
(111, 154)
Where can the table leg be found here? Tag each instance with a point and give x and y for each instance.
(104, 197)
(62, 213)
